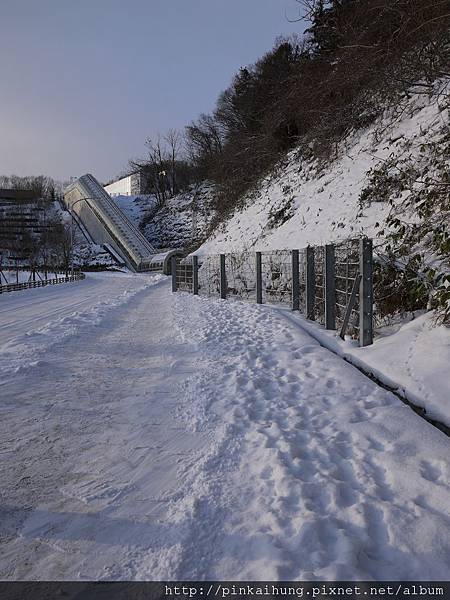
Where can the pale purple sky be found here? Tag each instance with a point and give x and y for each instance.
(85, 82)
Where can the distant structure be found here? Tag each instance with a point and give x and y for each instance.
(109, 226)
(131, 185)
(20, 223)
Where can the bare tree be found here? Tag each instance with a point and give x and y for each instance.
(165, 168)
(158, 159)
(173, 141)
(55, 245)
(44, 187)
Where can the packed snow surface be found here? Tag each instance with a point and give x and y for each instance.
(150, 435)
(30, 320)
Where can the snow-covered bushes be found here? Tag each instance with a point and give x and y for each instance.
(416, 187)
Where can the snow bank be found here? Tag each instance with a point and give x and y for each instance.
(411, 357)
(181, 222)
(184, 220)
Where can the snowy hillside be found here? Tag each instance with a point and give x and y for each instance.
(182, 222)
(135, 207)
(88, 256)
(307, 203)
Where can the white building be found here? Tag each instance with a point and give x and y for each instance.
(132, 185)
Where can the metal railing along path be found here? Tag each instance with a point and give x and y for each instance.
(329, 284)
(13, 287)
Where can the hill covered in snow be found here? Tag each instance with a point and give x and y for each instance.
(311, 202)
(181, 222)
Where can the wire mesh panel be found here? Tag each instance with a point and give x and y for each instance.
(319, 272)
(185, 277)
(347, 269)
(209, 276)
(326, 287)
(277, 276)
(241, 275)
(302, 280)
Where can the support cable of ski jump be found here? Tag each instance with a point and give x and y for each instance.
(109, 226)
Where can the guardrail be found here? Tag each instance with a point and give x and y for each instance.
(13, 287)
(330, 284)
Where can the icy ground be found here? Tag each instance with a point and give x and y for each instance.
(146, 435)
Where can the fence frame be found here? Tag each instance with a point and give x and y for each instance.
(258, 267)
(195, 275)
(310, 283)
(350, 305)
(295, 279)
(173, 271)
(223, 278)
(366, 292)
(330, 287)
(321, 291)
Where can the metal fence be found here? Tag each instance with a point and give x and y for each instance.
(13, 287)
(330, 284)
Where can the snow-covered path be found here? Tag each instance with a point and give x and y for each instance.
(175, 437)
(23, 312)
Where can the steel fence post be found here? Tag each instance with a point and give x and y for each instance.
(223, 278)
(258, 278)
(310, 283)
(195, 275)
(330, 287)
(295, 280)
(366, 292)
(173, 270)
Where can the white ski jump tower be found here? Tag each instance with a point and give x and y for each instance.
(108, 225)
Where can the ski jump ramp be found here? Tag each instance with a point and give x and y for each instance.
(108, 225)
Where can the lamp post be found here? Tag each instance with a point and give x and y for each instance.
(71, 227)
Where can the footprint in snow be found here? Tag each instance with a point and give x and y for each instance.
(431, 470)
(345, 495)
(359, 416)
(375, 445)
